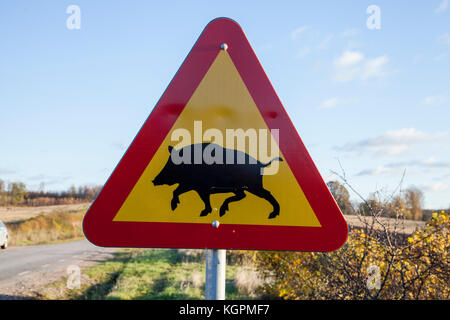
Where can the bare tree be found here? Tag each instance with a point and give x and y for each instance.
(414, 203)
(342, 197)
(380, 259)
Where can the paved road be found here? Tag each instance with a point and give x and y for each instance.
(18, 263)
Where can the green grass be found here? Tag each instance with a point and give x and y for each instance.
(150, 274)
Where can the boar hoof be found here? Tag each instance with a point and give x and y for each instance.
(174, 203)
(273, 215)
(205, 213)
(223, 209)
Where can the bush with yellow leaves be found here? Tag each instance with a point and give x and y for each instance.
(371, 265)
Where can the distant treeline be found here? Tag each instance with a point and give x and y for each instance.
(407, 203)
(16, 194)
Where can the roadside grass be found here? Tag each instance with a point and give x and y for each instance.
(154, 274)
(46, 228)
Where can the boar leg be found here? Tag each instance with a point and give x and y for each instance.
(238, 195)
(204, 195)
(265, 194)
(176, 193)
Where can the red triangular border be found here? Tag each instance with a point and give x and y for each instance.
(98, 223)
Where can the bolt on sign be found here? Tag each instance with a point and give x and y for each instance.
(218, 164)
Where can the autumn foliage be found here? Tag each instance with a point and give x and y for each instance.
(371, 265)
(46, 228)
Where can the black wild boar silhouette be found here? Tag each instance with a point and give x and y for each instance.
(206, 177)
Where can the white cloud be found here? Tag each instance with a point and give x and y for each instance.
(434, 100)
(348, 59)
(439, 186)
(374, 67)
(426, 165)
(392, 143)
(442, 7)
(334, 102)
(329, 103)
(429, 163)
(380, 170)
(444, 39)
(346, 75)
(353, 65)
(312, 48)
(295, 34)
(350, 33)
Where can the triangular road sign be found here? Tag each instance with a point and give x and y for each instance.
(181, 184)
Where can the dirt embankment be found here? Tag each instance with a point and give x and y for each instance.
(14, 214)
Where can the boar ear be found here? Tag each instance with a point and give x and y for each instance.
(170, 148)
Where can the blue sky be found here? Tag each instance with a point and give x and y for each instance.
(378, 101)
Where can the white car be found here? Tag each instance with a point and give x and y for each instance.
(3, 236)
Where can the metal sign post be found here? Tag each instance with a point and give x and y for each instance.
(216, 260)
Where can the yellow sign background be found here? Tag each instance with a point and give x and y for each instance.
(221, 101)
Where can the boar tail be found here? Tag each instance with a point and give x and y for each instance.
(268, 163)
